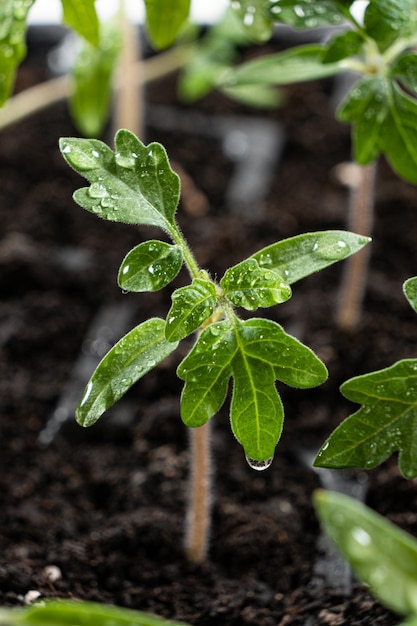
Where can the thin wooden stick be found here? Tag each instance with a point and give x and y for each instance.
(361, 217)
(199, 506)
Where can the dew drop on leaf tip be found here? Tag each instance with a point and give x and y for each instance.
(259, 466)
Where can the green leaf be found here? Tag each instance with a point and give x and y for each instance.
(165, 19)
(298, 257)
(307, 13)
(404, 69)
(366, 107)
(255, 352)
(92, 82)
(132, 357)
(386, 422)
(343, 45)
(13, 26)
(191, 306)
(298, 64)
(135, 185)
(256, 18)
(150, 266)
(250, 286)
(294, 363)
(68, 613)
(257, 96)
(81, 16)
(410, 291)
(388, 20)
(382, 556)
(385, 120)
(206, 371)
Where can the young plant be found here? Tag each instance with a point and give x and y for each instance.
(386, 421)
(381, 105)
(382, 556)
(136, 185)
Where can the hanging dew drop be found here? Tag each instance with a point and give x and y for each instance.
(259, 466)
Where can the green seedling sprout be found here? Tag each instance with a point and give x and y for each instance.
(385, 423)
(381, 105)
(135, 184)
(382, 556)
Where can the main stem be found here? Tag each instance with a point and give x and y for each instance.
(356, 267)
(198, 516)
(198, 519)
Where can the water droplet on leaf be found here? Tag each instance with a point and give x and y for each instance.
(259, 466)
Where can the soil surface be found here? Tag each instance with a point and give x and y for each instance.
(106, 505)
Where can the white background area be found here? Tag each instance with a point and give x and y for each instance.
(202, 11)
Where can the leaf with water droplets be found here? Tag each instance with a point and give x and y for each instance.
(191, 306)
(386, 422)
(81, 16)
(135, 184)
(92, 74)
(13, 26)
(165, 19)
(298, 257)
(131, 358)
(307, 13)
(382, 556)
(250, 286)
(256, 18)
(206, 371)
(387, 21)
(150, 266)
(410, 292)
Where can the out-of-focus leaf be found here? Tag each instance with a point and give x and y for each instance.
(165, 19)
(92, 82)
(256, 18)
(81, 16)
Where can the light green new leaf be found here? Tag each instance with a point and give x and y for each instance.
(250, 286)
(386, 423)
(410, 292)
(13, 25)
(294, 363)
(81, 16)
(298, 257)
(165, 19)
(150, 266)
(92, 82)
(256, 18)
(389, 20)
(68, 613)
(206, 371)
(132, 357)
(306, 13)
(191, 306)
(382, 556)
(291, 66)
(135, 184)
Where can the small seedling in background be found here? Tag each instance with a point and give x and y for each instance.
(381, 105)
(135, 184)
(381, 555)
(386, 421)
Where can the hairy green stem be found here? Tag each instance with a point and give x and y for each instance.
(198, 519)
(354, 279)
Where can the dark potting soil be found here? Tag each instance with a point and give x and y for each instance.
(106, 505)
